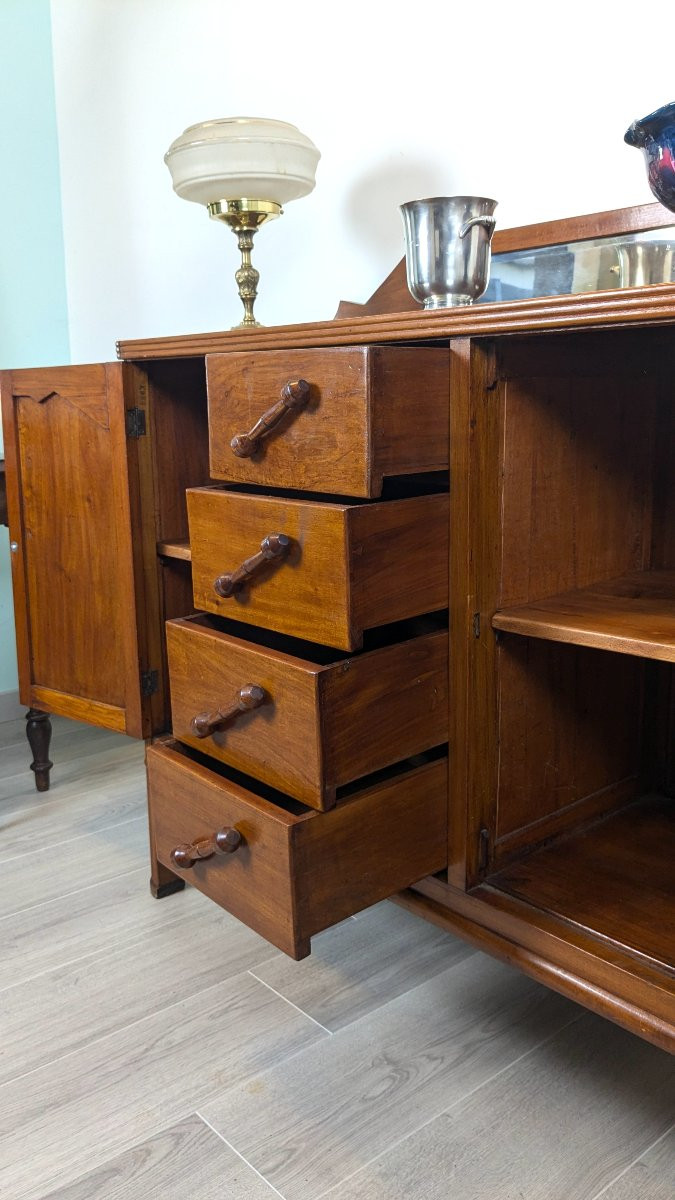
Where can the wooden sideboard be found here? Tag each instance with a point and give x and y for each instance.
(418, 571)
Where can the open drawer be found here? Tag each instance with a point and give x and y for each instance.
(319, 720)
(285, 870)
(323, 571)
(328, 419)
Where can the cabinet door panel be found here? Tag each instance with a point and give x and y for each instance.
(70, 516)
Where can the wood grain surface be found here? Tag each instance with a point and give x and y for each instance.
(339, 1105)
(570, 736)
(563, 1122)
(51, 1120)
(111, 1110)
(634, 614)
(71, 518)
(361, 421)
(185, 1159)
(609, 864)
(321, 725)
(350, 567)
(299, 871)
(651, 305)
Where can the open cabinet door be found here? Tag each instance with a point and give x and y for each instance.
(74, 517)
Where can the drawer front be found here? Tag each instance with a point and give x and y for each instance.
(345, 568)
(315, 726)
(359, 419)
(295, 871)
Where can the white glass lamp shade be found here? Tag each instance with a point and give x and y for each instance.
(237, 157)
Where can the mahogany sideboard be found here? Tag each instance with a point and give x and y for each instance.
(391, 599)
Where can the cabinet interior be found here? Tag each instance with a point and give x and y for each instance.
(172, 457)
(583, 820)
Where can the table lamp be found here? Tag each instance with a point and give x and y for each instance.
(243, 169)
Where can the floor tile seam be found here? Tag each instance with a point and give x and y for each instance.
(378, 1008)
(279, 955)
(630, 1166)
(121, 1144)
(260, 1072)
(97, 1041)
(109, 948)
(466, 958)
(240, 1156)
(449, 1108)
(66, 895)
(121, 1148)
(66, 841)
(297, 1008)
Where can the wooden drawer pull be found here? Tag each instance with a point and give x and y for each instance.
(248, 697)
(225, 841)
(274, 546)
(294, 396)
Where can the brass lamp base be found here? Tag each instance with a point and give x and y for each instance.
(244, 217)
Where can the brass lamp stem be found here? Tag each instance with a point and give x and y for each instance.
(244, 217)
(247, 277)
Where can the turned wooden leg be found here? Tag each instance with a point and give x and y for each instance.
(39, 734)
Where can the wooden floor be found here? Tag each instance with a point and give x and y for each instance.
(156, 1050)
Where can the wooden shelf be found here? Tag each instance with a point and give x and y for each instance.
(175, 550)
(615, 880)
(634, 614)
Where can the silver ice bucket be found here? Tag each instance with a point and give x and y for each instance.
(447, 248)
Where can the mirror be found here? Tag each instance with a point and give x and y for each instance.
(601, 264)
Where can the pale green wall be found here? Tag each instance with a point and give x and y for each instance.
(33, 313)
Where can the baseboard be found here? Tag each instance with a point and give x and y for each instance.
(10, 708)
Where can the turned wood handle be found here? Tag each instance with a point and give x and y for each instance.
(294, 396)
(248, 697)
(225, 841)
(274, 546)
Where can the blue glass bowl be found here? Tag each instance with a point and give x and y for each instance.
(655, 137)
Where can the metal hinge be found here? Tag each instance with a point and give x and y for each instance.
(475, 624)
(135, 422)
(483, 849)
(149, 682)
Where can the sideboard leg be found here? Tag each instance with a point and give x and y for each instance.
(163, 882)
(39, 734)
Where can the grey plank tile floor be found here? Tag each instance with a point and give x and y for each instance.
(152, 1050)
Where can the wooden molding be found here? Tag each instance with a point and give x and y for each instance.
(652, 305)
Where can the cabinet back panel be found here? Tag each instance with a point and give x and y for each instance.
(569, 737)
(577, 484)
(663, 537)
(178, 416)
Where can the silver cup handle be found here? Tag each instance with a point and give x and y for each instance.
(488, 222)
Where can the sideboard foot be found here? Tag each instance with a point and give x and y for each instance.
(39, 734)
(163, 882)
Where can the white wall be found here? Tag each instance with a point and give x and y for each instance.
(525, 102)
